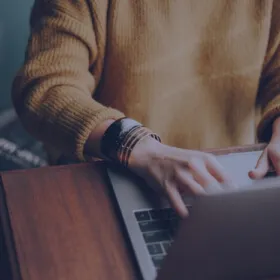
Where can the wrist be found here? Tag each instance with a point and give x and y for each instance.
(121, 137)
(145, 152)
(276, 128)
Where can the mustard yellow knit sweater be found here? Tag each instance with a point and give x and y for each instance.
(201, 74)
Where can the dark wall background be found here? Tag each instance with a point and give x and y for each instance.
(14, 31)
(18, 150)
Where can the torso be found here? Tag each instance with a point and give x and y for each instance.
(187, 69)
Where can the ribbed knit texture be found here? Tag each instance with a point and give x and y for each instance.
(201, 74)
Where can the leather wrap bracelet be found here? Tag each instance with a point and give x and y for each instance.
(121, 137)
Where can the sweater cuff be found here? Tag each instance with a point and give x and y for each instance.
(90, 121)
(271, 112)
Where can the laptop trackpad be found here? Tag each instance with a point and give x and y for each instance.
(239, 164)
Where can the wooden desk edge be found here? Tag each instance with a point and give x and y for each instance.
(14, 270)
(237, 149)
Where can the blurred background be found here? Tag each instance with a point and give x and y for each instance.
(14, 32)
(18, 150)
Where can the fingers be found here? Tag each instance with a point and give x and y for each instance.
(219, 173)
(182, 182)
(198, 178)
(273, 153)
(187, 183)
(194, 173)
(203, 177)
(262, 166)
(171, 191)
(176, 201)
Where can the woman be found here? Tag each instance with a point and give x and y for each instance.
(199, 74)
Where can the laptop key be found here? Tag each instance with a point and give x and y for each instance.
(171, 214)
(165, 213)
(157, 260)
(142, 216)
(161, 214)
(156, 236)
(155, 249)
(166, 246)
(153, 225)
(155, 214)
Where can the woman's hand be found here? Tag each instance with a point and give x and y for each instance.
(173, 171)
(270, 156)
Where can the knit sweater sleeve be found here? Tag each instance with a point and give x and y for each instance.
(269, 88)
(53, 91)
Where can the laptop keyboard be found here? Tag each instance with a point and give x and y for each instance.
(158, 228)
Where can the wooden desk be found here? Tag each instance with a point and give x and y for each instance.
(59, 224)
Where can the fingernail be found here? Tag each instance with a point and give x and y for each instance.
(184, 213)
(251, 172)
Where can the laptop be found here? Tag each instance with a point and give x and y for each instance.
(152, 226)
(229, 236)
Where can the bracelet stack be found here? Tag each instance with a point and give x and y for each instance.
(121, 137)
